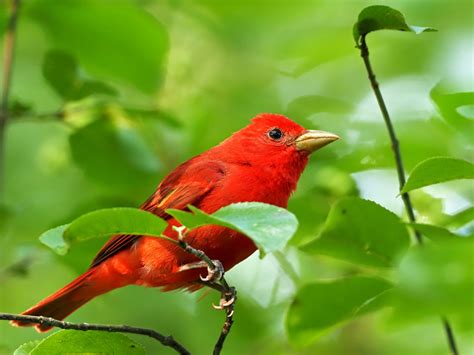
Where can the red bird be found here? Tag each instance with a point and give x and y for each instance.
(262, 162)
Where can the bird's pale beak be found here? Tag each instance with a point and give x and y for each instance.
(312, 140)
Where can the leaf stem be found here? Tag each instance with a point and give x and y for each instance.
(8, 54)
(166, 340)
(364, 52)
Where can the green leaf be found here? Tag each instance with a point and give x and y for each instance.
(113, 40)
(449, 105)
(61, 71)
(460, 218)
(53, 238)
(103, 223)
(320, 306)
(26, 348)
(270, 227)
(437, 279)
(361, 232)
(435, 233)
(380, 17)
(113, 153)
(436, 170)
(90, 342)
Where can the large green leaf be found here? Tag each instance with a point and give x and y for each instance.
(438, 279)
(112, 39)
(270, 227)
(362, 232)
(103, 223)
(320, 306)
(90, 342)
(436, 170)
(380, 17)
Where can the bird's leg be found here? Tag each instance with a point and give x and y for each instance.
(227, 301)
(214, 274)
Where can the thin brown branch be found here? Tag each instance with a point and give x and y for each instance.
(8, 54)
(166, 340)
(364, 52)
(230, 296)
(228, 293)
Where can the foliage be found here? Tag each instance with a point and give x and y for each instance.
(436, 170)
(270, 227)
(107, 98)
(378, 17)
(70, 341)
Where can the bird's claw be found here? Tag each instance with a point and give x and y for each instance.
(214, 274)
(227, 302)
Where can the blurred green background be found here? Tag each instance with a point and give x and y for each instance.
(156, 82)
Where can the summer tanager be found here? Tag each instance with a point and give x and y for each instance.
(262, 162)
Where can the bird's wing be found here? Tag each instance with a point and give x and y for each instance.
(186, 185)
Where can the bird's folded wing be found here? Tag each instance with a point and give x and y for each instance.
(186, 185)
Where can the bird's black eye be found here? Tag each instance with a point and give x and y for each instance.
(275, 134)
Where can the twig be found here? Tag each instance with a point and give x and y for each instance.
(8, 54)
(228, 293)
(166, 340)
(364, 52)
(229, 320)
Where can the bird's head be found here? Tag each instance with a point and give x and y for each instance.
(272, 137)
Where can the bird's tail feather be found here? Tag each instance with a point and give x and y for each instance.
(65, 301)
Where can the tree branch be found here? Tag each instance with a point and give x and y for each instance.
(8, 54)
(166, 340)
(228, 293)
(364, 52)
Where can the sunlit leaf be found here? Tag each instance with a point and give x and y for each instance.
(54, 239)
(103, 223)
(26, 348)
(436, 170)
(270, 227)
(362, 232)
(90, 342)
(380, 17)
(320, 306)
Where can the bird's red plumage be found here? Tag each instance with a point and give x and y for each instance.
(248, 166)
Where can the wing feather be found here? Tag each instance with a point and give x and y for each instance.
(187, 185)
